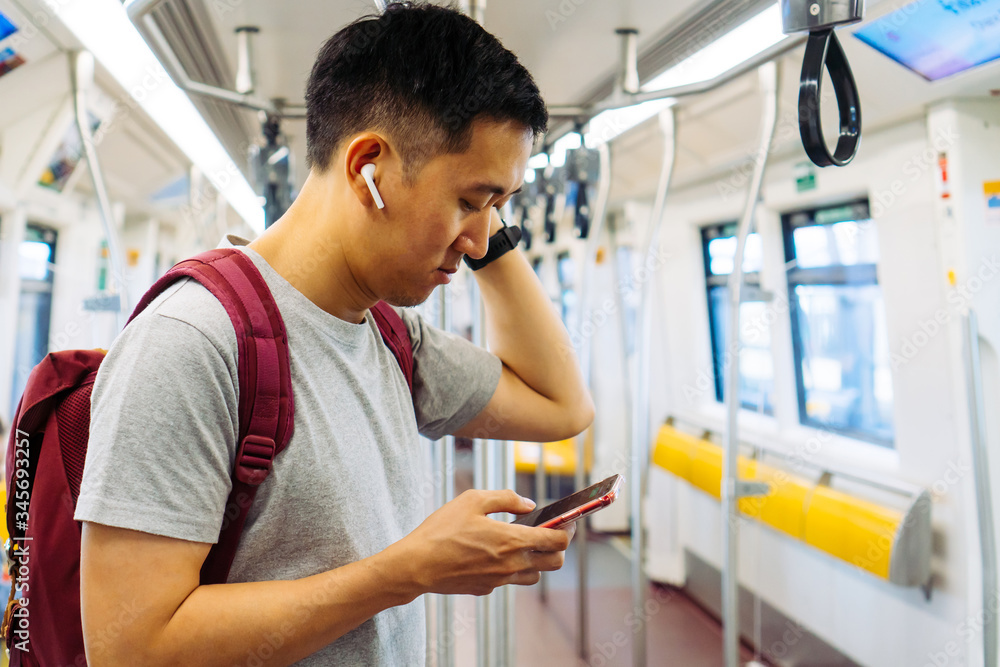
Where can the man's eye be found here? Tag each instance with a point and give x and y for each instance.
(467, 206)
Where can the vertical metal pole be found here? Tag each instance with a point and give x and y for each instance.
(541, 495)
(509, 592)
(640, 402)
(626, 356)
(82, 76)
(481, 480)
(980, 467)
(730, 490)
(246, 73)
(499, 597)
(628, 61)
(445, 462)
(586, 290)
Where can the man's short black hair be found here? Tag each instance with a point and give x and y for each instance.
(420, 73)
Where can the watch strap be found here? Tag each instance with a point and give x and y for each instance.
(505, 240)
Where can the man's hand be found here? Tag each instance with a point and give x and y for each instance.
(460, 550)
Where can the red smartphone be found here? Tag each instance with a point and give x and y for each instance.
(572, 507)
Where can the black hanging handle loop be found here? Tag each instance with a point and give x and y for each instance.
(823, 50)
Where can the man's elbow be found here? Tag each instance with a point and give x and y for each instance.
(578, 417)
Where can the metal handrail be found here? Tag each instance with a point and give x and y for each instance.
(81, 65)
(641, 399)
(731, 491)
(139, 13)
(894, 486)
(445, 462)
(586, 290)
(586, 112)
(980, 467)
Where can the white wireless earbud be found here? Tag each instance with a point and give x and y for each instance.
(368, 171)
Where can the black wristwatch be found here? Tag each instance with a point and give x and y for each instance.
(504, 240)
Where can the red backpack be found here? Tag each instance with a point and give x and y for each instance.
(48, 446)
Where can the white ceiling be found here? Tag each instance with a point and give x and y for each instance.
(570, 46)
(567, 58)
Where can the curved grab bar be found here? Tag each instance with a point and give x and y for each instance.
(823, 50)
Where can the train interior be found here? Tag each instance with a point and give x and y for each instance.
(842, 511)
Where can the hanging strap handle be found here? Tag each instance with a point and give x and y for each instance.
(823, 50)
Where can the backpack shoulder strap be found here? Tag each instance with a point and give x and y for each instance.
(396, 337)
(266, 407)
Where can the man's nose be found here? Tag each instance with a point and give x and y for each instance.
(474, 240)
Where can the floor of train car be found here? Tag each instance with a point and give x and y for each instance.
(679, 632)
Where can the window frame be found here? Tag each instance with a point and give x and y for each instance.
(833, 276)
(751, 292)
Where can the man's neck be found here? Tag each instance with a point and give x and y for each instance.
(310, 248)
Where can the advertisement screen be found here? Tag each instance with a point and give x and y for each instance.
(6, 27)
(938, 38)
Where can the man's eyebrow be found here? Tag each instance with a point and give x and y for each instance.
(491, 188)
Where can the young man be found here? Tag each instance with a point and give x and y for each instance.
(336, 551)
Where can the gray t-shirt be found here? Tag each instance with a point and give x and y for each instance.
(163, 442)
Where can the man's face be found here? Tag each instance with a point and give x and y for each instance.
(445, 212)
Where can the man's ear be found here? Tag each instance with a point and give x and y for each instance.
(367, 148)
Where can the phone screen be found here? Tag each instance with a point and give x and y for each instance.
(570, 502)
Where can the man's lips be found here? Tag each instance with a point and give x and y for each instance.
(448, 270)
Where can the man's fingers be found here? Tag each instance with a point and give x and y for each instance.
(545, 539)
(525, 578)
(542, 560)
(570, 529)
(504, 501)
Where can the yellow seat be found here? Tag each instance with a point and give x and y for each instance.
(3, 524)
(852, 529)
(560, 456)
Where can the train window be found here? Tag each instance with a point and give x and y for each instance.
(36, 257)
(839, 333)
(756, 362)
(567, 293)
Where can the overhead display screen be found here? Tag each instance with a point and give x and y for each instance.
(6, 27)
(938, 38)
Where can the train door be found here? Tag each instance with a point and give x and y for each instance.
(36, 263)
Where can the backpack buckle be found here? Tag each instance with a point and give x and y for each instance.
(253, 459)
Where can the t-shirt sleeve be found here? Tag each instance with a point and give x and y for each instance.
(453, 379)
(162, 431)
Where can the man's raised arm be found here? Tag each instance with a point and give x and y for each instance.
(541, 395)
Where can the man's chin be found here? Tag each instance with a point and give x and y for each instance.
(407, 300)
